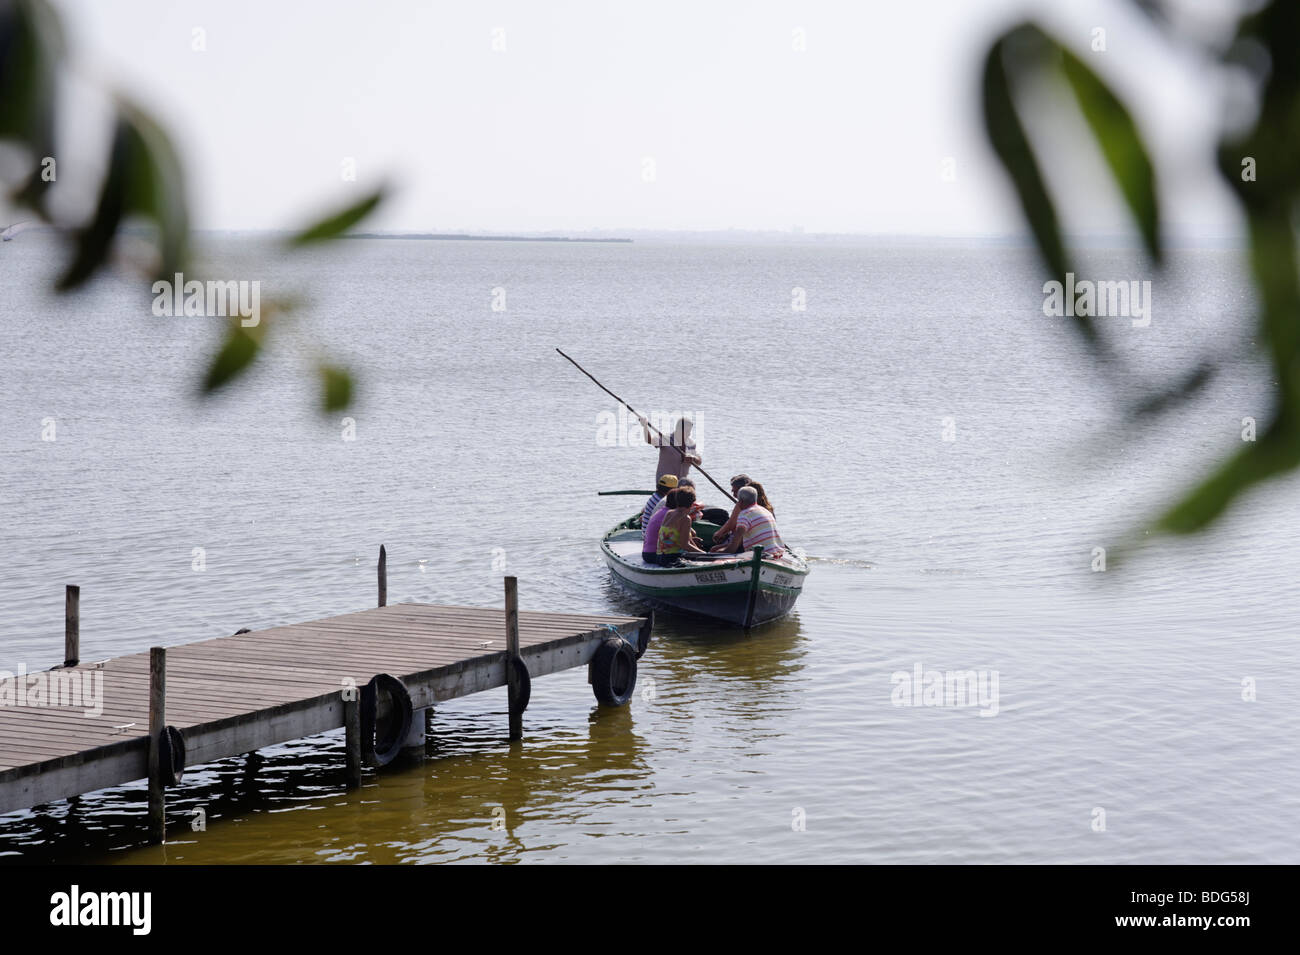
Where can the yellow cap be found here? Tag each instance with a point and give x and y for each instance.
(668, 480)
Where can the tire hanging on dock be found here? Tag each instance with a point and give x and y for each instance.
(613, 672)
(643, 635)
(171, 755)
(525, 682)
(381, 741)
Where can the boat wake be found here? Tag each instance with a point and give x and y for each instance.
(842, 562)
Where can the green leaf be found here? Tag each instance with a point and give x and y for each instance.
(335, 225)
(156, 188)
(234, 357)
(1275, 452)
(1122, 147)
(144, 178)
(336, 387)
(1007, 135)
(31, 47)
(95, 239)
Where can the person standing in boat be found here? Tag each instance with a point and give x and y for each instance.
(755, 527)
(678, 450)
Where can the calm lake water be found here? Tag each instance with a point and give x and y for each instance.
(1118, 691)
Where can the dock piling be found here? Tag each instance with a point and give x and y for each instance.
(72, 626)
(352, 738)
(157, 723)
(512, 654)
(383, 576)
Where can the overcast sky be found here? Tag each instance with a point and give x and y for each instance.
(553, 133)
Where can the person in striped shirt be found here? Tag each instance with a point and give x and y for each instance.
(666, 483)
(755, 527)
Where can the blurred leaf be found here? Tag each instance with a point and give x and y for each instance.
(31, 46)
(94, 240)
(156, 188)
(1009, 141)
(1155, 9)
(1276, 452)
(236, 354)
(1005, 132)
(335, 225)
(1187, 386)
(1273, 263)
(336, 387)
(144, 177)
(1277, 449)
(1120, 143)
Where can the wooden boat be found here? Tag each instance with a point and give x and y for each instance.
(744, 589)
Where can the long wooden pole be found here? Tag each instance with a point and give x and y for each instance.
(383, 576)
(647, 424)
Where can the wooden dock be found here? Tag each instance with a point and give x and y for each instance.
(374, 673)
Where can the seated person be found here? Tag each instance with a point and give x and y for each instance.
(666, 483)
(722, 533)
(697, 511)
(650, 543)
(675, 530)
(755, 527)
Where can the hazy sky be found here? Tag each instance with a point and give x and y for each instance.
(554, 132)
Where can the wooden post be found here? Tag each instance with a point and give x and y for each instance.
(352, 739)
(756, 570)
(383, 576)
(157, 721)
(512, 653)
(72, 627)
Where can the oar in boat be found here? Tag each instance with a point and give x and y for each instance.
(647, 424)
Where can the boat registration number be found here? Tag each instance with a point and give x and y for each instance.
(712, 577)
(781, 580)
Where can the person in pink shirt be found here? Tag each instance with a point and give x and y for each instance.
(651, 542)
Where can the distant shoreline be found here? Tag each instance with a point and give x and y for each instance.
(465, 237)
(1113, 241)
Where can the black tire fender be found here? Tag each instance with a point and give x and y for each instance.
(613, 672)
(171, 755)
(643, 635)
(525, 682)
(374, 749)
